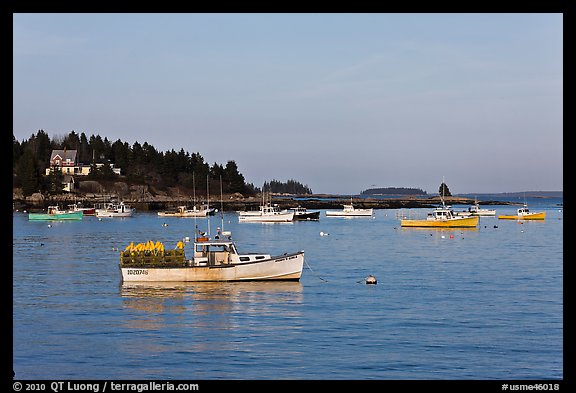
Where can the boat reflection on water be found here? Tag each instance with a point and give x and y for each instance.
(200, 289)
(437, 231)
(209, 317)
(252, 297)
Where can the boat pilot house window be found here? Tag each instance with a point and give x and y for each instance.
(216, 254)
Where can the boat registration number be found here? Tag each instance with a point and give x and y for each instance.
(134, 272)
(287, 258)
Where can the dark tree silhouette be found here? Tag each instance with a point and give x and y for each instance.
(443, 190)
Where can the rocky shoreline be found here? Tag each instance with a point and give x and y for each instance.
(237, 202)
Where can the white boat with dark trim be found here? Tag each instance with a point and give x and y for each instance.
(87, 211)
(302, 214)
(350, 211)
(267, 213)
(114, 209)
(476, 210)
(183, 211)
(215, 259)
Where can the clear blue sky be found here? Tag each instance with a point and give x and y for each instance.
(340, 102)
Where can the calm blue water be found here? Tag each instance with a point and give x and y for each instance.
(449, 304)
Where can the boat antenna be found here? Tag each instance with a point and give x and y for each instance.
(208, 201)
(442, 187)
(221, 205)
(194, 207)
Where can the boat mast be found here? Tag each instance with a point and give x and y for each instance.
(221, 205)
(442, 186)
(208, 201)
(194, 202)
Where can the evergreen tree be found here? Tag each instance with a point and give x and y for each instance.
(53, 183)
(28, 173)
(84, 153)
(16, 151)
(234, 180)
(71, 141)
(443, 190)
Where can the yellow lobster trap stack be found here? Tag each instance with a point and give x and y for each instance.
(152, 254)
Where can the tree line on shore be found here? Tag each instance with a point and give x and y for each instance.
(139, 164)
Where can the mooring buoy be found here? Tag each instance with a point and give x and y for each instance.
(371, 279)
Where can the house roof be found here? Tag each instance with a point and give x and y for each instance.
(64, 154)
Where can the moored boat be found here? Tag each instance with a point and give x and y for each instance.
(267, 213)
(183, 211)
(54, 213)
(476, 210)
(441, 217)
(350, 211)
(215, 259)
(113, 209)
(302, 214)
(87, 211)
(523, 213)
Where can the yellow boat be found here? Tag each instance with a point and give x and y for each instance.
(523, 213)
(442, 217)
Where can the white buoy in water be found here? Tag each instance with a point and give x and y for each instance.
(371, 279)
(324, 233)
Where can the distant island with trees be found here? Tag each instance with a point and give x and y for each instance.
(393, 191)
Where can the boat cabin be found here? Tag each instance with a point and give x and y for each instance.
(270, 209)
(441, 214)
(221, 252)
(54, 210)
(523, 210)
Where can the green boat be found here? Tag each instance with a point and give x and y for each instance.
(54, 213)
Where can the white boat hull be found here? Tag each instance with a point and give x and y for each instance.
(355, 213)
(114, 214)
(485, 213)
(184, 214)
(286, 267)
(115, 210)
(257, 217)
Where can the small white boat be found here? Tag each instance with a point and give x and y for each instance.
(350, 211)
(113, 209)
(213, 260)
(183, 211)
(267, 213)
(87, 211)
(476, 210)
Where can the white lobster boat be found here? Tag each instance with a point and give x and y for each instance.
(267, 213)
(115, 210)
(350, 211)
(213, 260)
(476, 210)
(183, 211)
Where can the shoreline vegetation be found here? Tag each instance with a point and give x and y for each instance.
(145, 201)
(153, 180)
